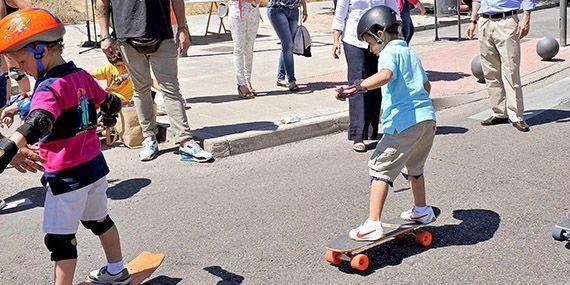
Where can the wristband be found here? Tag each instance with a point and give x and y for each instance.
(359, 87)
(105, 37)
(8, 149)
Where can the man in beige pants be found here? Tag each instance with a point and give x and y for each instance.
(500, 31)
(148, 43)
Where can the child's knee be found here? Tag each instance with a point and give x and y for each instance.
(61, 246)
(99, 227)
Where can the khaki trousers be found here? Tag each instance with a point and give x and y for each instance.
(500, 50)
(164, 63)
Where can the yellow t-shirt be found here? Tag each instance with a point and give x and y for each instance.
(119, 85)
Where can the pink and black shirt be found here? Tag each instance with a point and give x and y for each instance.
(72, 150)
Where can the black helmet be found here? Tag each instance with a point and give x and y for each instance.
(378, 18)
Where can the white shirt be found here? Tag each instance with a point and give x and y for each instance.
(348, 13)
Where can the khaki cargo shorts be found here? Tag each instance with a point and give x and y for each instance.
(404, 152)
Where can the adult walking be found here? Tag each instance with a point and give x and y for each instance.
(500, 32)
(146, 40)
(244, 20)
(284, 17)
(364, 111)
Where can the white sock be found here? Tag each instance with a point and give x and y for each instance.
(115, 268)
(418, 209)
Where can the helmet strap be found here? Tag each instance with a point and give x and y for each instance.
(38, 52)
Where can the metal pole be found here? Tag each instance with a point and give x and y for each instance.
(458, 20)
(563, 22)
(87, 22)
(435, 15)
(94, 22)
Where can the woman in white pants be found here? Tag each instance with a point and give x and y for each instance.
(244, 21)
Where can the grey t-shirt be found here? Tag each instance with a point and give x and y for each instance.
(142, 19)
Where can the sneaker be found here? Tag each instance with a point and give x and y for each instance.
(149, 149)
(282, 83)
(425, 217)
(369, 231)
(2, 204)
(193, 152)
(102, 276)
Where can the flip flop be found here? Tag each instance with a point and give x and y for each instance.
(359, 147)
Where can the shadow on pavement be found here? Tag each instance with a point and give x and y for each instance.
(448, 130)
(307, 88)
(547, 116)
(35, 197)
(227, 277)
(163, 280)
(477, 225)
(224, 130)
(445, 76)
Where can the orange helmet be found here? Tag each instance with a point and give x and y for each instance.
(29, 25)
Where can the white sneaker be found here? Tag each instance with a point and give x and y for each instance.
(425, 217)
(369, 231)
(102, 276)
(193, 152)
(2, 204)
(149, 149)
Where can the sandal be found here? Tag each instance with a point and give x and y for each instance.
(252, 89)
(293, 86)
(359, 147)
(282, 83)
(245, 95)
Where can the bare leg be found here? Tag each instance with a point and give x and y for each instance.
(378, 194)
(419, 189)
(112, 245)
(64, 270)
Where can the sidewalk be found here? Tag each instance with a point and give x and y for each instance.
(229, 125)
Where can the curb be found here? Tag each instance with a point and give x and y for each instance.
(338, 122)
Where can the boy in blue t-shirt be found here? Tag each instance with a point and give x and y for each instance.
(408, 119)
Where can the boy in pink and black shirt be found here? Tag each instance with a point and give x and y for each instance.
(63, 121)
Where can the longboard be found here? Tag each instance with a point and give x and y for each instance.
(561, 231)
(344, 248)
(141, 267)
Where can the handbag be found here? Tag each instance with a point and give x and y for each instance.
(145, 46)
(302, 40)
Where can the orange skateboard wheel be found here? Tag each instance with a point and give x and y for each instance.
(359, 262)
(424, 238)
(333, 257)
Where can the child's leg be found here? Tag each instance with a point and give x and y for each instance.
(64, 270)
(378, 193)
(419, 190)
(112, 245)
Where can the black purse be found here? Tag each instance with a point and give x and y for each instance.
(145, 46)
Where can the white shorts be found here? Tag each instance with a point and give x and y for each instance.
(62, 213)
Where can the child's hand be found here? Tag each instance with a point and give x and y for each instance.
(7, 121)
(345, 92)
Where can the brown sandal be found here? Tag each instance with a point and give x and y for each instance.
(245, 95)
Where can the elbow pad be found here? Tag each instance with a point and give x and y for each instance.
(111, 106)
(37, 125)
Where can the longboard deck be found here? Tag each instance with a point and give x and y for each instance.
(141, 267)
(392, 228)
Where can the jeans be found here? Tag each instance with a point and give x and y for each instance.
(407, 24)
(285, 22)
(363, 109)
(244, 31)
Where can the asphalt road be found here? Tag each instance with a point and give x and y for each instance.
(265, 217)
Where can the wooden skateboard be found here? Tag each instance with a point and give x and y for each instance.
(561, 231)
(347, 249)
(141, 267)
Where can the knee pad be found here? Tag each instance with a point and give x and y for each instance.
(99, 228)
(61, 246)
(407, 177)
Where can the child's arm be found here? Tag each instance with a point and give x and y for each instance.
(420, 6)
(373, 82)
(36, 126)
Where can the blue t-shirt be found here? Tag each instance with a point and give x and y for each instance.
(405, 102)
